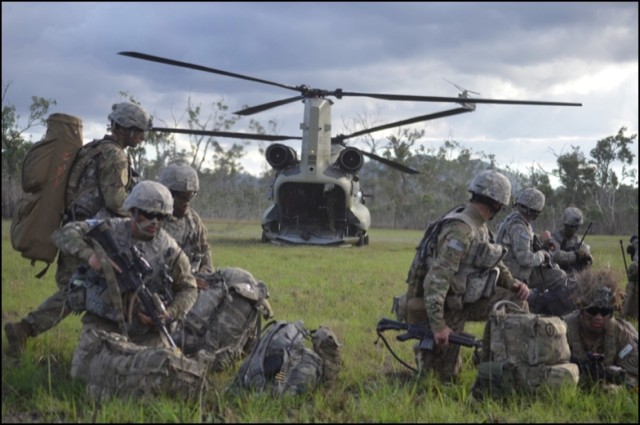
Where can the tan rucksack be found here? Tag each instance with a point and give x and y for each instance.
(522, 352)
(45, 172)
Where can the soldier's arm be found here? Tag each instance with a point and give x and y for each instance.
(114, 178)
(453, 245)
(627, 354)
(70, 239)
(184, 286)
(521, 246)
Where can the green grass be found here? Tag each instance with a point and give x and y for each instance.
(347, 289)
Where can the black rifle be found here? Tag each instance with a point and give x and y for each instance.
(424, 334)
(593, 367)
(134, 268)
(583, 236)
(626, 269)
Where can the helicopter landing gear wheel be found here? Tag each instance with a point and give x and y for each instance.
(363, 240)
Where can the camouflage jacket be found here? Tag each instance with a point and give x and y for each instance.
(162, 253)
(99, 181)
(464, 247)
(516, 234)
(191, 234)
(565, 251)
(618, 344)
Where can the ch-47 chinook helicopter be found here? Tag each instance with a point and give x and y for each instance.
(317, 198)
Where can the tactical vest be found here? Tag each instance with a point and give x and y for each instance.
(517, 270)
(83, 198)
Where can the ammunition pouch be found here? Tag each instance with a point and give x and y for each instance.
(480, 285)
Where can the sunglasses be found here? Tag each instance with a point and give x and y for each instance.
(602, 311)
(152, 216)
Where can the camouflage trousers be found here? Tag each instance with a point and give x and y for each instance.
(53, 310)
(445, 361)
(85, 351)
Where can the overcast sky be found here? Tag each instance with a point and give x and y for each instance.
(563, 52)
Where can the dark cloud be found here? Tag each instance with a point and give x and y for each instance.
(580, 52)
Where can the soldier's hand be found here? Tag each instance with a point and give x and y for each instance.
(201, 283)
(148, 321)
(442, 337)
(547, 257)
(95, 264)
(521, 289)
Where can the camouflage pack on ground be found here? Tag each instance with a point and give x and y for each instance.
(226, 317)
(114, 366)
(522, 352)
(280, 362)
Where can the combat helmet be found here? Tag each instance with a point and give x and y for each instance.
(150, 196)
(531, 200)
(179, 178)
(572, 216)
(493, 185)
(128, 115)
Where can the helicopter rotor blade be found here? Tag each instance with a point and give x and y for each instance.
(159, 59)
(415, 98)
(232, 135)
(340, 138)
(259, 108)
(390, 163)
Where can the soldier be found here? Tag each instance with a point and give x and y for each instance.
(149, 205)
(185, 225)
(605, 348)
(526, 258)
(566, 249)
(630, 307)
(466, 275)
(100, 178)
(225, 318)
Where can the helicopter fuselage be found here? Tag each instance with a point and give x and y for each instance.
(317, 201)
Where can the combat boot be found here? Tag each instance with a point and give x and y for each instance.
(17, 335)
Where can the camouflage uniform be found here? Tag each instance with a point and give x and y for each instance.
(100, 179)
(565, 243)
(161, 251)
(618, 344)
(191, 234)
(630, 307)
(463, 249)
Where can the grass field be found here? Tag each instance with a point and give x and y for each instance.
(348, 289)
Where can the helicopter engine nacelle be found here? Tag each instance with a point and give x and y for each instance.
(350, 160)
(280, 156)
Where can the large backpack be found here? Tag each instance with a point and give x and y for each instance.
(420, 265)
(522, 352)
(280, 362)
(226, 317)
(45, 172)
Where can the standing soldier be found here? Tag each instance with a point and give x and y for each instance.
(630, 307)
(466, 275)
(99, 181)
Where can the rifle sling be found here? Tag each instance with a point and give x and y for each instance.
(112, 285)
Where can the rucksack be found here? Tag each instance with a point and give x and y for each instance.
(45, 172)
(280, 362)
(522, 352)
(226, 317)
(420, 265)
(111, 365)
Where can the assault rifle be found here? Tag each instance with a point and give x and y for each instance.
(134, 268)
(425, 335)
(594, 368)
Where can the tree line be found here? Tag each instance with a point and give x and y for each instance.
(227, 192)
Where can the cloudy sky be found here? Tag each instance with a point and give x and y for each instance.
(562, 52)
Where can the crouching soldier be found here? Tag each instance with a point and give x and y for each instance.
(134, 283)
